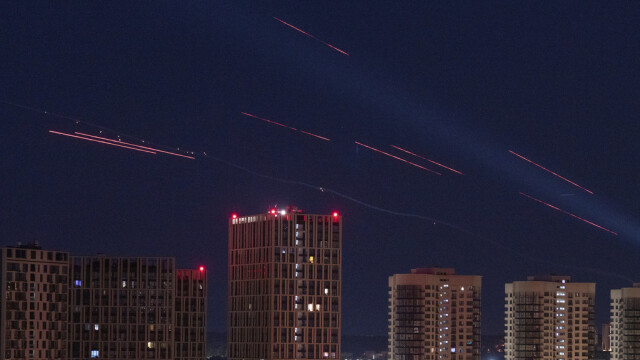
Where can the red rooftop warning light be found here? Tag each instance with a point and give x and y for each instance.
(234, 216)
(273, 211)
(335, 214)
(201, 268)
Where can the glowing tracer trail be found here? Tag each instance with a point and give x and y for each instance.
(318, 136)
(549, 171)
(269, 121)
(568, 213)
(137, 146)
(100, 141)
(286, 126)
(311, 36)
(424, 158)
(398, 158)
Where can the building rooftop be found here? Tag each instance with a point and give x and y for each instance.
(434, 271)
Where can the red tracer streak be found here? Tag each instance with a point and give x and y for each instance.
(99, 141)
(269, 121)
(137, 146)
(285, 126)
(311, 36)
(424, 158)
(547, 170)
(568, 213)
(398, 158)
(318, 136)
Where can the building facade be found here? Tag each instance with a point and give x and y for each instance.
(549, 318)
(84, 307)
(625, 323)
(284, 294)
(606, 337)
(434, 314)
(33, 303)
(136, 308)
(191, 314)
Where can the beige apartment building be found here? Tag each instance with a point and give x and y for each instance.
(625, 323)
(549, 318)
(33, 303)
(606, 337)
(434, 314)
(284, 286)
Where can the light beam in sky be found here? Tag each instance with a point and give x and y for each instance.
(311, 36)
(424, 158)
(549, 171)
(398, 158)
(568, 213)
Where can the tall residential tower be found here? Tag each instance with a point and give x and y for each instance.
(549, 318)
(33, 303)
(136, 308)
(625, 323)
(284, 286)
(434, 314)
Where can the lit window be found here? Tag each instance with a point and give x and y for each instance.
(95, 353)
(317, 307)
(96, 327)
(151, 345)
(311, 259)
(310, 307)
(326, 291)
(124, 284)
(78, 282)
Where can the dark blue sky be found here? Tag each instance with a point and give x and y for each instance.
(458, 82)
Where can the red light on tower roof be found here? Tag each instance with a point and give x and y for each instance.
(234, 216)
(335, 214)
(201, 268)
(273, 211)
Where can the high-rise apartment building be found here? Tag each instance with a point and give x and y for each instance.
(83, 307)
(606, 337)
(549, 318)
(33, 303)
(284, 286)
(136, 308)
(191, 314)
(625, 323)
(434, 314)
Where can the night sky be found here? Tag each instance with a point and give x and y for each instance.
(460, 83)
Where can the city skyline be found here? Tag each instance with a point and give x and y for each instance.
(528, 109)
